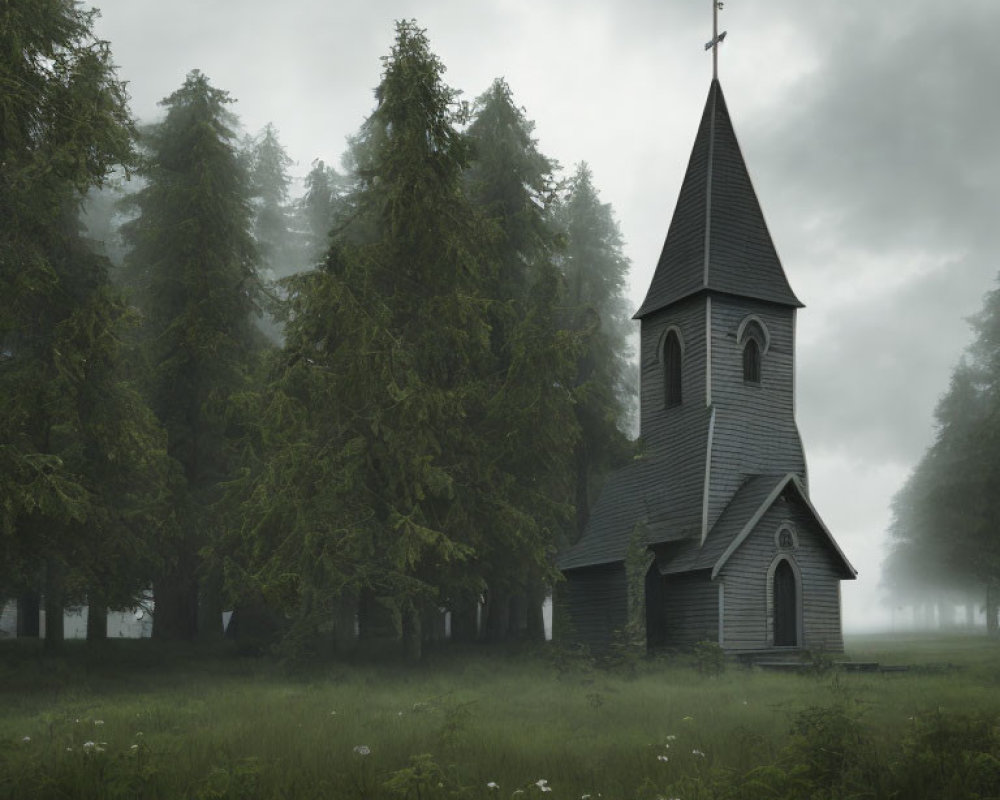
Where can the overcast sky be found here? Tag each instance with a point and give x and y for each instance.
(871, 131)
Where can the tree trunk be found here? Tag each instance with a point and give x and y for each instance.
(464, 629)
(497, 615)
(991, 609)
(535, 623)
(175, 603)
(412, 638)
(97, 618)
(54, 624)
(29, 606)
(345, 615)
(210, 607)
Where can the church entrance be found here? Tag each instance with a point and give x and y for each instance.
(785, 606)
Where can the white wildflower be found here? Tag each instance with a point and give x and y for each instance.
(69, 749)
(25, 739)
(362, 749)
(98, 723)
(134, 747)
(671, 738)
(89, 745)
(493, 785)
(541, 783)
(138, 734)
(333, 713)
(697, 752)
(662, 758)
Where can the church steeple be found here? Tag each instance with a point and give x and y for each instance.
(717, 240)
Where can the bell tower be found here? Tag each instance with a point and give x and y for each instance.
(717, 337)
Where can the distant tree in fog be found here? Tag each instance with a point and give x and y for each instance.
(946, 518)
(595, 270)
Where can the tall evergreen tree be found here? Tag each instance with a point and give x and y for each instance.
(530, 424)
(318, 208)
(380, 386)
(947, 515)
(77, 446)
(269, 182)
(595, 269)
(193, 263)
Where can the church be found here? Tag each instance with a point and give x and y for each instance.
(730, 548)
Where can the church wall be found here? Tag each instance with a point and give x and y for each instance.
(680, 432)
(591, 605)
(744, 575)
(690, 609)
(755, 430)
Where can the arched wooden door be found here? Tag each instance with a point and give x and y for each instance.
(785, 606)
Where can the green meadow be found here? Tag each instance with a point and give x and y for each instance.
(134, 720)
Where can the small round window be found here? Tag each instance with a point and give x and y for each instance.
(785, 538)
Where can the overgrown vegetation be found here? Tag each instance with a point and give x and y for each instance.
(184, 723)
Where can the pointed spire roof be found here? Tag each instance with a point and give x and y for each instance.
(718, 239)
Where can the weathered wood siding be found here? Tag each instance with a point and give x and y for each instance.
(665, 428)
(679, 433)
(591, 605)
(748, 622)
(690, 609)
(755, 430)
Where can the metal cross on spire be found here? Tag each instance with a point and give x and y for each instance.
(716, 37)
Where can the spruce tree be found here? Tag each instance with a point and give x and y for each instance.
(595, 269)
(379, 379)
(269, 182)
(529, 428)
(946, 516)
(78, 448)
(193, 265)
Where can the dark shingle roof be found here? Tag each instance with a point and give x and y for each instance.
(637, 493)
(692, 555)
(736, 522)
(718, 239)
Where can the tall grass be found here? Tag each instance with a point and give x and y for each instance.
(178, 722)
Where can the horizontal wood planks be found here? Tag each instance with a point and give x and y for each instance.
(592, 605)
(749, 622)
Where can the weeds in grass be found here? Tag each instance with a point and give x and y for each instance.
(475, 728)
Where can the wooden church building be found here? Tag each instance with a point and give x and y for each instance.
(720, 498)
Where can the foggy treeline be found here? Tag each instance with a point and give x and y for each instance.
(945, 551)
(390, 396)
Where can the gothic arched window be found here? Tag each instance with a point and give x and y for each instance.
(751, 361)
(672, 356)
(754, 340)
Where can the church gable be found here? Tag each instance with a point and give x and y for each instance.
(787, 539)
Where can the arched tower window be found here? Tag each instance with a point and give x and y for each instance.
(751, 361)
(672, 355)
(754, 340)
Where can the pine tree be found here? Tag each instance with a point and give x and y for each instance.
(78, 448)
(530, 425)
(595, 270)
(380, 380)
(946, 516)
(269, 182)
(318, 208)
(193, 263)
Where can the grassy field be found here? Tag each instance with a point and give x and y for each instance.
(142, 721)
